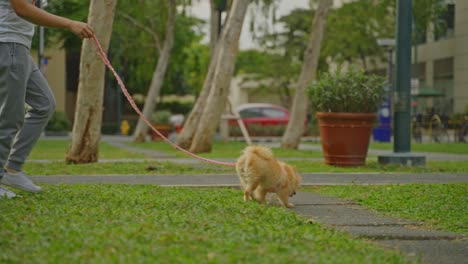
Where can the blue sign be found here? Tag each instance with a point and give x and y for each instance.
(383, 132)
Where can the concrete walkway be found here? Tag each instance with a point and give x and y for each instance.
(431, 246)
(406, 236)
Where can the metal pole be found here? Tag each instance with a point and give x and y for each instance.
(402, 93)
(402, 142)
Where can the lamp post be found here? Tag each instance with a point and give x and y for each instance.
(388, 43)
(402, 101)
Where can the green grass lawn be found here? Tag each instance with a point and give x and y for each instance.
(57, 150)
(146, 167)
(226, 150)
(373, 166)
(151, 224)
(441, 206)
(452, 148)
(121, 223)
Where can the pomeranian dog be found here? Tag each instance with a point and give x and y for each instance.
(261, 173)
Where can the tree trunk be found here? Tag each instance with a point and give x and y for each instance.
(226, 54)
(86, 133)
(184, 139)
(296, 126)
(141, 129)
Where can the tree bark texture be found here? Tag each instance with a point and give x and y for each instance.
(141, 129)
(214, 27)
(86, 132)
(226, 54)
(296, 126)
(185, 137)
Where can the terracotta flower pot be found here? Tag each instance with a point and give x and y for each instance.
(345, 137)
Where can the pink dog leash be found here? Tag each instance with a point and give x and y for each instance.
(106, 61)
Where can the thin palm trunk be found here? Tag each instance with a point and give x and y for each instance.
(296, 126)
(184, 139)
(141, 129)
(226, 54)
(214, 26)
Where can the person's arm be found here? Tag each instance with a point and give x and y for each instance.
(42, 18)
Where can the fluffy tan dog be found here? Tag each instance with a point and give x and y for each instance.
(260, 173)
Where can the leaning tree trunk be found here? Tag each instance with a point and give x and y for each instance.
(296, 126)
(141, 129)
(226, 54)
(214, 26)
(184, 139)
(86, 132)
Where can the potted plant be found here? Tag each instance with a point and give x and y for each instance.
(346, 103)
(161, 121)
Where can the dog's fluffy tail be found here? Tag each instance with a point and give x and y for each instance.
(250, 165)
(260, 152)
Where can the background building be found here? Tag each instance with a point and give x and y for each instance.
(440, 64)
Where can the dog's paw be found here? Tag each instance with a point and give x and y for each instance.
(247, 197)
(289, 205)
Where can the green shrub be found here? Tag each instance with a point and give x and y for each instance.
(352, 91)
(59, 122)
(161, 117)
(176, 107)
(110, 128)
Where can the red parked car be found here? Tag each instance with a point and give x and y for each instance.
(261, 119)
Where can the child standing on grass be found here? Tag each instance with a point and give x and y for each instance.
(22, 83)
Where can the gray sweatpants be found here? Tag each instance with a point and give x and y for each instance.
(21, 83)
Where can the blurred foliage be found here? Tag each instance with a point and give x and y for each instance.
(139, 33)
(351, 36)
(426, 12)
(279, 71)
(281, 59)
(133, 50)
(350, 91)
(176, 107)
(59, 122)
(352, 31)
(161, 117)
(72, 9)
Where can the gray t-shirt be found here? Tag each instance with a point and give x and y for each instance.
(12, 27)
